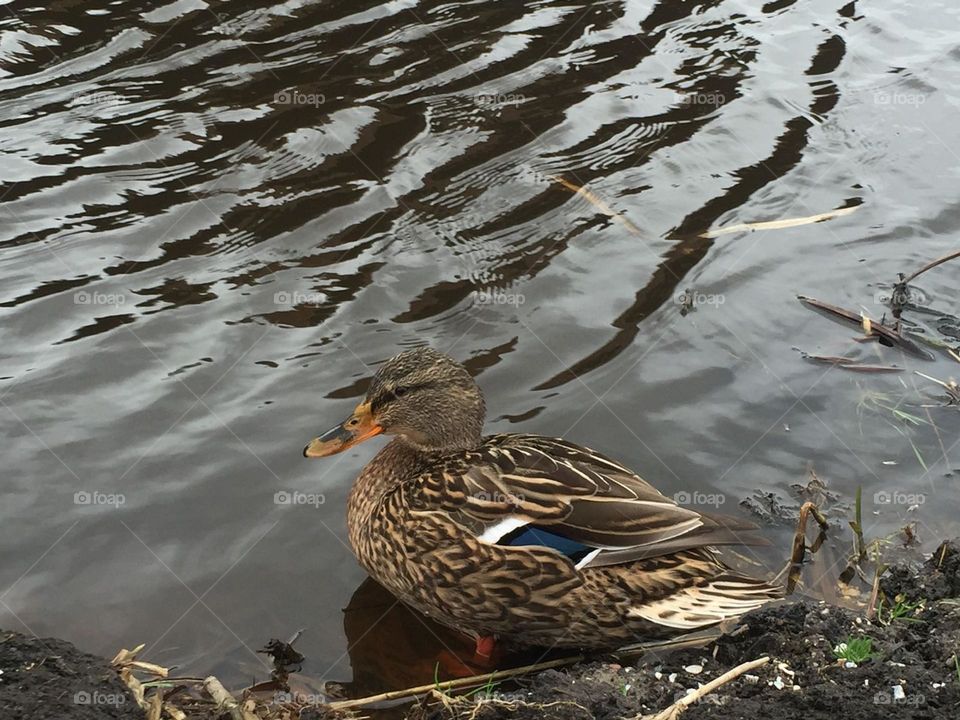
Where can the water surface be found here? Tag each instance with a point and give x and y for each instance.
(218, 217)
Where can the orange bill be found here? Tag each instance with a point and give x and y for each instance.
(358, 427)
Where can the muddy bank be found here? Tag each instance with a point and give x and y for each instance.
(911, 670)
(50, 678)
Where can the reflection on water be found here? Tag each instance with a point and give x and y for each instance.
(219, 216)
(391, 646)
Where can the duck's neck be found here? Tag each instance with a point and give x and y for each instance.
(391, 467)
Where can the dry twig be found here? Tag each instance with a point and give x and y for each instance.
(780, 224)
(933, 264)
(458, 684)
(225, 701)
(673, 712)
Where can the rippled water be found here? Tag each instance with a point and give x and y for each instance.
(219, 216)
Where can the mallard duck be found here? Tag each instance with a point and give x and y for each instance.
(528, 538)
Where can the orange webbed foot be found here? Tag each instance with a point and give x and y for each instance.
(485, 656)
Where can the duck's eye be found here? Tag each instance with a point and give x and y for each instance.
(400, 391)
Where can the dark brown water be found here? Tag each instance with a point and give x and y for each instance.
(217, 217)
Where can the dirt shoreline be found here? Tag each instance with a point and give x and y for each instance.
(49, 678)
(913, 670)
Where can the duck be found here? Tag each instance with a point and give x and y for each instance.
(521, 537)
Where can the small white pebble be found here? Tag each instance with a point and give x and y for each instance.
(778, 683)
(628, 669)
(898, 693)
(897, 664)
(796, 688)
(935, 686)
(889, 462)
(752, 679)
(849, 664)
(627, 687)
(694, 669)
(672, 677)
(866, 682)
(658, 674)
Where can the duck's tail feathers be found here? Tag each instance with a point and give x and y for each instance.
(725, 596)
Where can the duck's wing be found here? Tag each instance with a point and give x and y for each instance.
(534, 490)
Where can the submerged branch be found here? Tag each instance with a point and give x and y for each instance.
(780, 224)
(870, 327)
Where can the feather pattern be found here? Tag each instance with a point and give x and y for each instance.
(443, 533)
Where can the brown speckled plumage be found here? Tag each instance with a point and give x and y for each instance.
(428, 515)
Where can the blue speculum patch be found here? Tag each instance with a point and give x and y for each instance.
(533, 535)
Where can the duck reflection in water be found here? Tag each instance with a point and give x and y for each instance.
(393, 647)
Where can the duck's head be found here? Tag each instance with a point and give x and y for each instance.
(423, 397)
